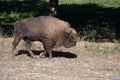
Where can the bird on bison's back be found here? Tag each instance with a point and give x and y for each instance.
(52, 32)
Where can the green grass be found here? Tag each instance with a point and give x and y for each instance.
(103, 48)
(104, 3)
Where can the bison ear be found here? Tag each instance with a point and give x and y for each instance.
(68, 32)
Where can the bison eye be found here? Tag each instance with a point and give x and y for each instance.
(71, 37)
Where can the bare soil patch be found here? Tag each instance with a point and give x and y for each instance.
(77, 63)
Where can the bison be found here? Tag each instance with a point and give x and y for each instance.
(52, 32)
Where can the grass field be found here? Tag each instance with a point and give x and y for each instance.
(85, 61)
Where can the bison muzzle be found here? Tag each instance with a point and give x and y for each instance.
(52, 32)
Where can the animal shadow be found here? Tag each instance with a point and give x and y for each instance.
(54, 54)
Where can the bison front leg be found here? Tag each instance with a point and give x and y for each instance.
(49, 51)
(48, 47)
(50, 54)
(28, 45)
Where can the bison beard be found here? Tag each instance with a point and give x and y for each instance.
(52, 32)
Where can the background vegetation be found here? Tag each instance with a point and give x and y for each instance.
(12, 10)
(95, 20)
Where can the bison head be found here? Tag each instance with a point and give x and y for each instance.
(70, 38)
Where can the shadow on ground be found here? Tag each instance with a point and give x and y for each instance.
(54, 53)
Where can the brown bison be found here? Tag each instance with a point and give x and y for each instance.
(52, 32)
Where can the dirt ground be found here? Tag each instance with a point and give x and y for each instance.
(67, 64)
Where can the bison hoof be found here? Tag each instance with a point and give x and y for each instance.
(35, 57)
(42, 56)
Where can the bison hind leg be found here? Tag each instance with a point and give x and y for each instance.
(14, 45)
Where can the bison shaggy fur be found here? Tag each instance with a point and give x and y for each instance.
(52, 32)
